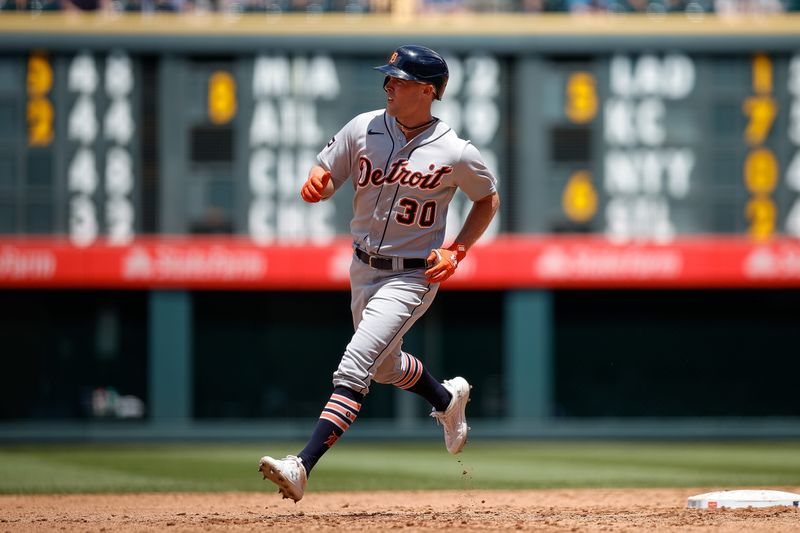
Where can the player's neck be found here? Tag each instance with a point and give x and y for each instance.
(412, 128)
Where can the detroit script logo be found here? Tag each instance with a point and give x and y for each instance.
(399, 173)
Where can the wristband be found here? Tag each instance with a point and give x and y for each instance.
(459, 249)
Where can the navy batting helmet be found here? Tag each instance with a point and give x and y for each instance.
(417, 63)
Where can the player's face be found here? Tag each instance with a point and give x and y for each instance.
(405, 97)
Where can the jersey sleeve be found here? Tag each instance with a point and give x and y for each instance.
(336, 156)
(472, 175)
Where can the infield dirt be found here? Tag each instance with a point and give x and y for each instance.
(574, 510)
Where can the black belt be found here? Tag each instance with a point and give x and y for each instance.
(388, 263)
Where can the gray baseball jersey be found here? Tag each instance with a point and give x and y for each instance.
(402, 189)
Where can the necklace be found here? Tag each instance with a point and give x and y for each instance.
(412, 128)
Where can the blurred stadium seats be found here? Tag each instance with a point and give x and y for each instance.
(580, 7)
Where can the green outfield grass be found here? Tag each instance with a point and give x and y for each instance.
(370, 466)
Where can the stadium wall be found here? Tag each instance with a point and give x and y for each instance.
(641, 282)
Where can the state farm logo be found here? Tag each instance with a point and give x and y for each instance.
(21, 264)
(778, 262)
(137, 264)
(584, 262)
(174, 263)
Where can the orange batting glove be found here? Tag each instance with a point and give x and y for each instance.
(444, 262)
(314, 188)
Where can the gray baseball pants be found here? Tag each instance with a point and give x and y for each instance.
(385, 304)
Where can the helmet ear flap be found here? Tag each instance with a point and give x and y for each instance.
(441, 86)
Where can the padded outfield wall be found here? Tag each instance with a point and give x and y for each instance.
(161, 278)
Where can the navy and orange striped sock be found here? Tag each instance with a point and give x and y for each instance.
(417, 379)
(337, 415)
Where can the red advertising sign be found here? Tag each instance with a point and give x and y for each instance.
(508, 262)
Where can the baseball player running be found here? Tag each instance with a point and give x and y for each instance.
(405, 166)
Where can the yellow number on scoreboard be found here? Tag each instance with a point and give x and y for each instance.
(762, 111)
(40, 75)
(40, 122)
(761, 213)
(581, 101)
(40, 110)
(761, 171)
(579, 200)
(762, 74)
(221, 97)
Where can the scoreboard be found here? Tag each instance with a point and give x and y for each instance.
(236, 137)
(250, 128)
(654, 146)
(638, 161)
(70, 146)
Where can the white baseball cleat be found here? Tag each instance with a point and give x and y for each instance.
(288, 473)
(454, 419)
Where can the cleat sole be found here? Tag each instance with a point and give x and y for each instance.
(284, 485)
